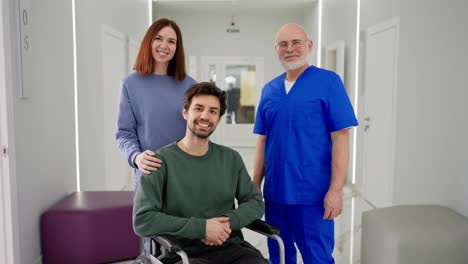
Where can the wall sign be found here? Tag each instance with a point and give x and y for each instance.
(24, 21)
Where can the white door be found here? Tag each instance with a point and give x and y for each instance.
(242, 79)
(133, 48)
(114, 66)
(6, 212)
(380, 84)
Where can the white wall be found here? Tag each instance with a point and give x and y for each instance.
(43, 125)
(431, 129)
(129, 17)
(311, 27)
(339, 24)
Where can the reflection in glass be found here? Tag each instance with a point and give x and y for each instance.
(239, 84)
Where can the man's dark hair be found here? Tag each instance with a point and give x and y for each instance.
(205, 88)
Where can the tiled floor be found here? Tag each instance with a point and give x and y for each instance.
(347, 243)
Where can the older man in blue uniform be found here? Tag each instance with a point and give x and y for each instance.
(302, 123)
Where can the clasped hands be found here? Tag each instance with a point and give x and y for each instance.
(218, 230)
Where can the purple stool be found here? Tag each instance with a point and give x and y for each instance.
(89, 227)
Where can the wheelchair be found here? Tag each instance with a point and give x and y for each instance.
(166, 244)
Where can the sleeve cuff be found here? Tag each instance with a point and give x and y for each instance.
(234, 221)
(131, 161)
(200, 228)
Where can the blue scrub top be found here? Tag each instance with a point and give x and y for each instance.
(297, 126)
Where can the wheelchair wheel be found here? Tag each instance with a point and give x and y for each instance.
(142, 260)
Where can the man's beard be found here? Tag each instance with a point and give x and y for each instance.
(200, 134)
(290, 66)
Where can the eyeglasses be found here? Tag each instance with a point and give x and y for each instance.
(295, 43)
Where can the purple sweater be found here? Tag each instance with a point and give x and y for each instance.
(150, 113)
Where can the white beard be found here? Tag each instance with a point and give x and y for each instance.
(294, 65)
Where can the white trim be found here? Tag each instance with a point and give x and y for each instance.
(7, 226)
(393, 22)
(75, 94)
(356, 90)
(150, 12)
(351, 232)
(355, 131)
(339, 49)
(319, 34)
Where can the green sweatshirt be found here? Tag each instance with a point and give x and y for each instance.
(179, 197)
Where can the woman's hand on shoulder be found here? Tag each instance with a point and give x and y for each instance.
(146, 162)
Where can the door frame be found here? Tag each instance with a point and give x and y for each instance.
(386, 25)
(221, 134)
(7, 226)
(111, 152)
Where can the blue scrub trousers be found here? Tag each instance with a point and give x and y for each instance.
(303, 225)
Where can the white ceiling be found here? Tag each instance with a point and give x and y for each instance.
(227, 7)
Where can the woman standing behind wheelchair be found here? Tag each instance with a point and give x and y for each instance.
(151, 98)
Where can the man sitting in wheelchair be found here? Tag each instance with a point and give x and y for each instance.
(192, 195)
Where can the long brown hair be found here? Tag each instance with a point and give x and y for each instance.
(144, 63)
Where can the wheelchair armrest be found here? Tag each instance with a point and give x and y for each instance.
(170, 243)
(263, 227)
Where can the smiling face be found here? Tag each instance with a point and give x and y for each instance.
(203, 115)
(163, 46)
(292, 46)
